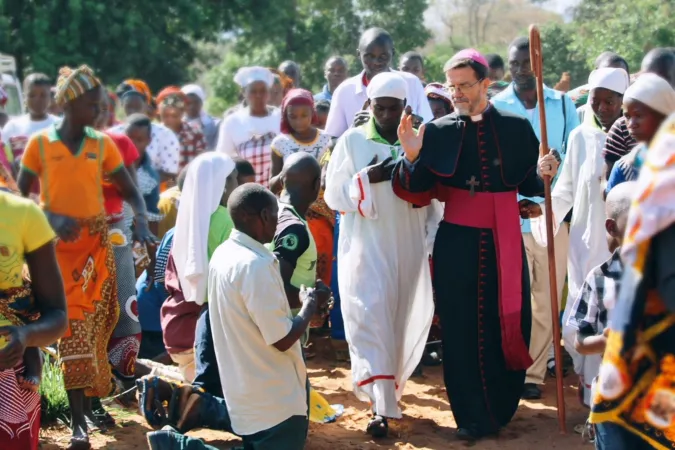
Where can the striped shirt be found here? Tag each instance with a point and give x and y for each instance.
(619, 141)
(597, 296)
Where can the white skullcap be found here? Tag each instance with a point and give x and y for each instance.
(248, 75)
(609, 78)
(387, 84)
(653, 91)
(193, 89)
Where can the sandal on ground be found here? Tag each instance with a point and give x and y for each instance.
(180, 398)
(150, 405)
(79, 443)
(378, 427)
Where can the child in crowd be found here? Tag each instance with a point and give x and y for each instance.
(299, 132)
(646, 104)
(439, 98)
(245, 170)
(322, 108)
(15, 134)
(589, 312)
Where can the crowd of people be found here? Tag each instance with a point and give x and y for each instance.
(191, 256)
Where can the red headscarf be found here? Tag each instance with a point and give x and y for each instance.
(296, 97)
(169, 92)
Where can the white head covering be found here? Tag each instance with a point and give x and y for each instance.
(203, 189)
(248, 75)
(653, 91)
(193, 89)
(387, 84)
(609, 78)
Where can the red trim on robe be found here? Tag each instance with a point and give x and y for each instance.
(416, 198)
(374, 378)
(363, 195)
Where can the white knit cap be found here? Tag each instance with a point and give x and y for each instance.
(248, 75)
(653, 91)
(609, 78)
(193, 89)
(387, 84)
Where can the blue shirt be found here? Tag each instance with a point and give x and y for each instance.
(150, 301)
(627, 168)
(561, 119)
(325, 94)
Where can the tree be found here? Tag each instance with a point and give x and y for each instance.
(558, 56)
(119, 39)
(628, 27)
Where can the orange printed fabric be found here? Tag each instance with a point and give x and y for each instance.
(88, 270)
(72, 184)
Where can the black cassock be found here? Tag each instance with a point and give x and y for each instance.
(476, 166)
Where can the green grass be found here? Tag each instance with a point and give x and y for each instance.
(54, 398)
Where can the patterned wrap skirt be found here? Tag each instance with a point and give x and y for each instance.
(88, 269)
(19, 408)
(321, 223)
(125, 343)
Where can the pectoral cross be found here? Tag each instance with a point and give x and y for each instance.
(473, 183)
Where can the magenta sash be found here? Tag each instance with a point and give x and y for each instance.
(499, 212)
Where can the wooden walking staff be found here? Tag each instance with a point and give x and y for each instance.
(536, 63)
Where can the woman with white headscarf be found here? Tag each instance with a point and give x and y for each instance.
(249, 131)
(195, 114)
(646, 105)
(579, 187)
(203, 223)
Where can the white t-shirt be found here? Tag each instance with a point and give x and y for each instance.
(530, 114)
(250, 137)
(164, 148)
(350, 96)
(17, 131)
(285, 145)
(249, 313)
(240, 127)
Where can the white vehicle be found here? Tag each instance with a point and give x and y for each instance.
(11, 84)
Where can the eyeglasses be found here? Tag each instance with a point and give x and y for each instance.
(462, 87)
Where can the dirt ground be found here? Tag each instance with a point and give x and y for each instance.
(427, 421)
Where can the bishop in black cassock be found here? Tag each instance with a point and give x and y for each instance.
(477, 165)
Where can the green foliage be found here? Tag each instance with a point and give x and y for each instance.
(54, 397)
(149, 40)
(628, 27)
(557, 44)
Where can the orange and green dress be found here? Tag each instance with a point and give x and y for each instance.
(71, 185)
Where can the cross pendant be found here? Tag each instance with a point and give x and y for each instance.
(473, 183)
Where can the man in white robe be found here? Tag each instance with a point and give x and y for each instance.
(383, 274)
(579, 186)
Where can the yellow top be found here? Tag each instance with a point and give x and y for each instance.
(23, 229)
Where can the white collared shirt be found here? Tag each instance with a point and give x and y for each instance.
(350, 96)
(249, 312)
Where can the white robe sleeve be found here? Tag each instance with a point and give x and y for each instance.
(336, 123)
(423, 107)
(225, 142)
(348, 190)
(562, 198)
